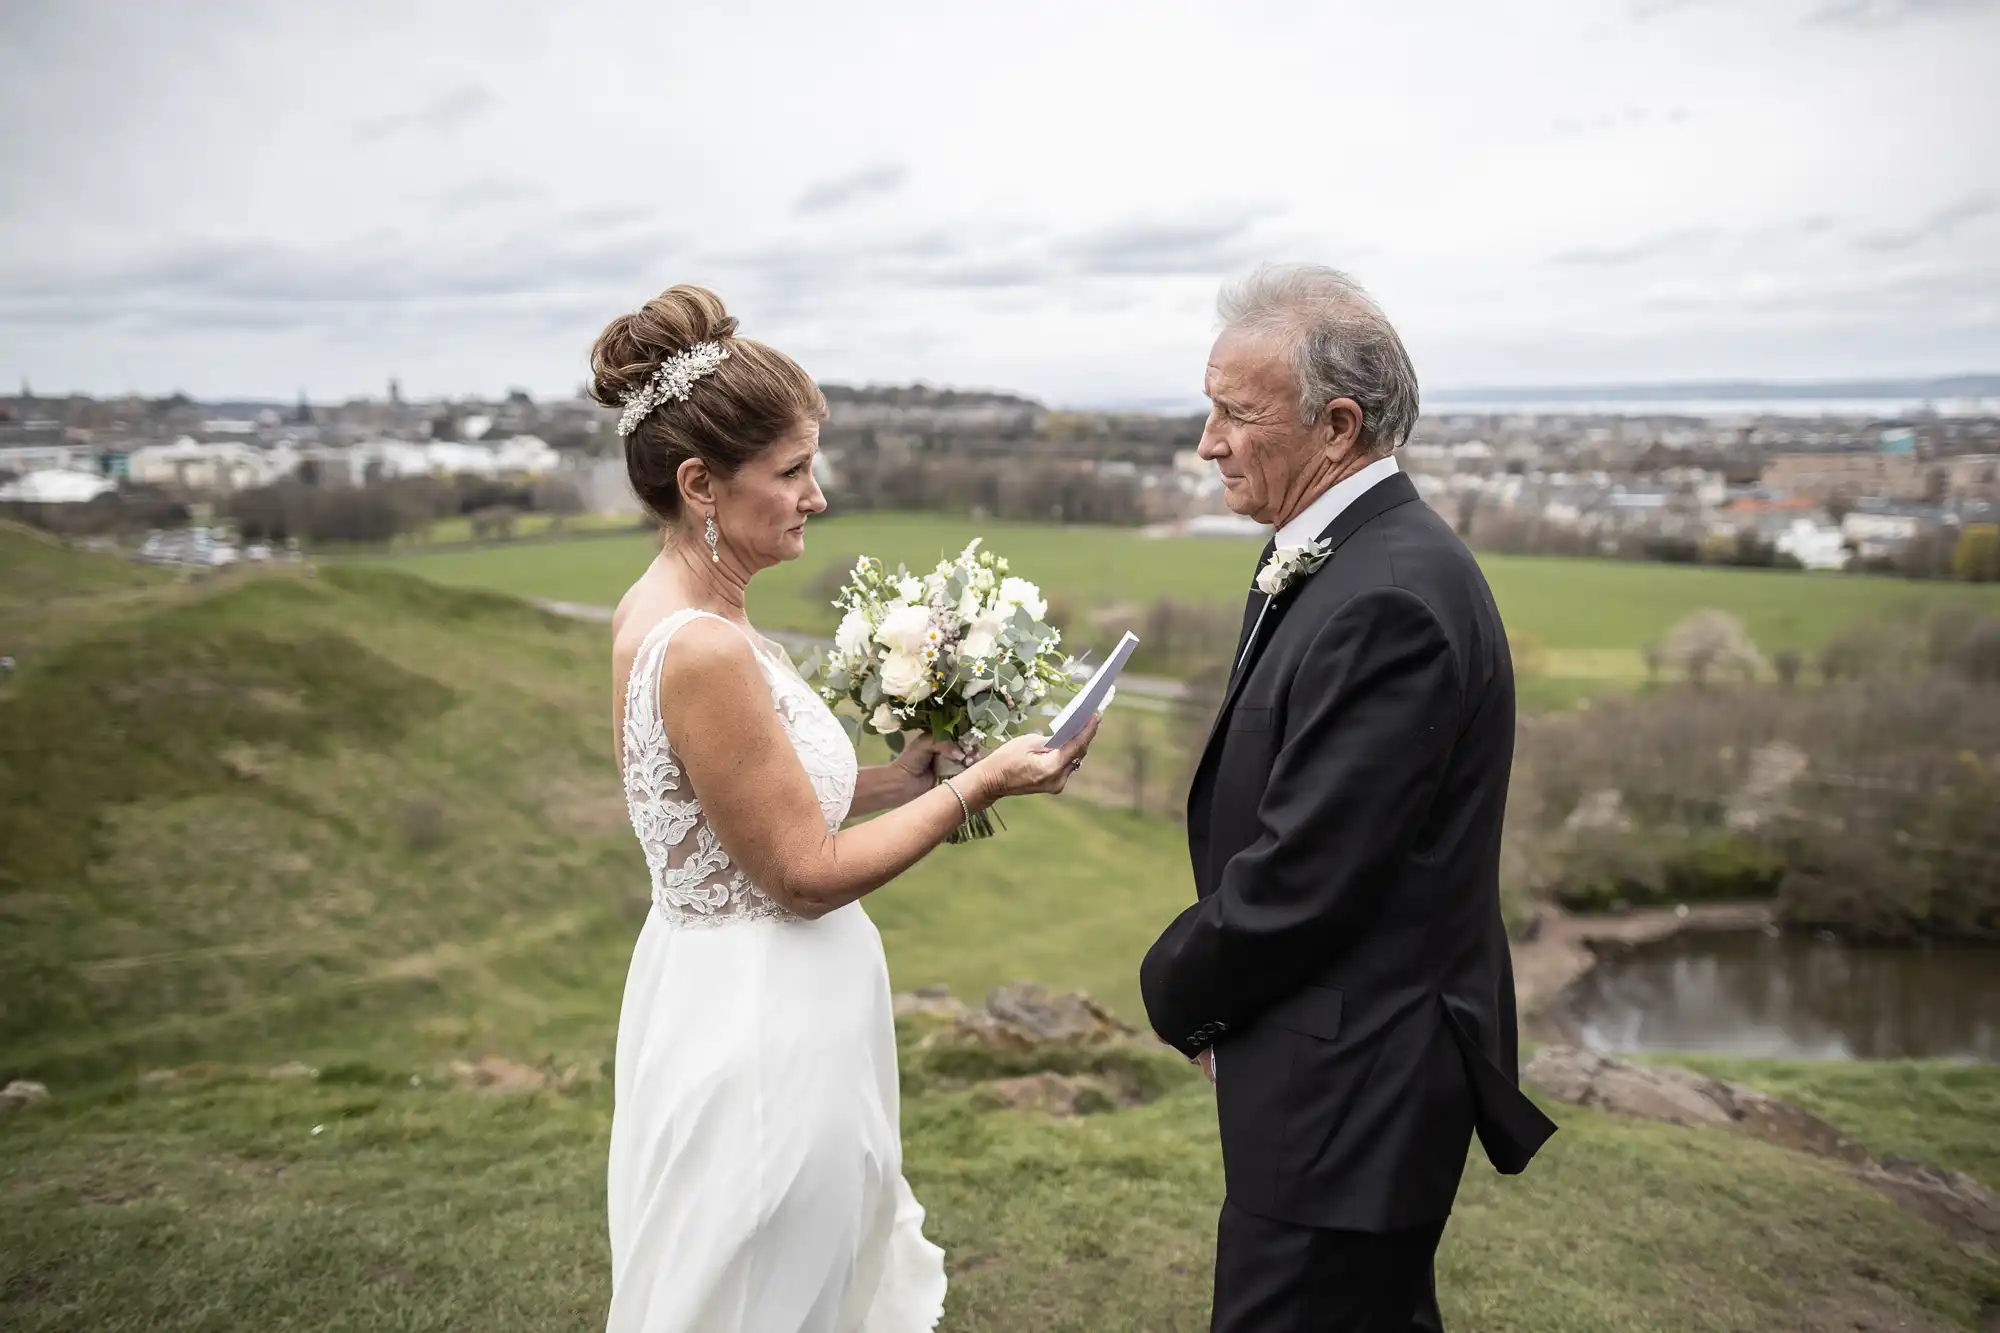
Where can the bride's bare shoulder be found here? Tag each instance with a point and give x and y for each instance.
(621, 614)
(705, 652)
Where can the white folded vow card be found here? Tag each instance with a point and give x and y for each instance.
(1076, 714)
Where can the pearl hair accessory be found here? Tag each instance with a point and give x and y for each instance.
(671, 383)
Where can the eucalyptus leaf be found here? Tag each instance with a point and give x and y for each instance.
(895, 740)
(852, 726)
(871, 692)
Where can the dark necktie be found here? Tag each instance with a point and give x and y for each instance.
(1253, 608)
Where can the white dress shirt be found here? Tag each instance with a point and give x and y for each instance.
(1315, 517)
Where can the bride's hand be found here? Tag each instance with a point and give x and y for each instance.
(1025, 765)
(923, 760)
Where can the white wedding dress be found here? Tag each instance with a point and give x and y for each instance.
(756, 1178)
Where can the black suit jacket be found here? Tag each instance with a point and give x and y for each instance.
(1346, 957)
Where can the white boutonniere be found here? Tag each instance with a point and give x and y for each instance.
(1289, 564)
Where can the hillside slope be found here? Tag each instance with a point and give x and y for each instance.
(256, 816)
(361, 827)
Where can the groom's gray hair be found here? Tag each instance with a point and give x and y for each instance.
(1340, 342)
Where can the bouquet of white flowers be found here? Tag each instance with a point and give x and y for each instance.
(961, 653)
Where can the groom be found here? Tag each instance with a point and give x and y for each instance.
(1344, 976)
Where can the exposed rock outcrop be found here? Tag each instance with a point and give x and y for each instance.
(1952, 1200)
(1022, 1015)
(1059, 1053)
(21, 1094)
(1948, 1199)
(1059, 1095)
(1683, 1097)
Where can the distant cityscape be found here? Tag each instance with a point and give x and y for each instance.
(1904, 479)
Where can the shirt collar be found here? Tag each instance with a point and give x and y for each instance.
(1316, 517)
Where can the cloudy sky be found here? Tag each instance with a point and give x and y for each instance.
(237, 197)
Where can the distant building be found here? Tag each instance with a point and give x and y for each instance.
(1814, 544)
(1824, 477)
(47, 486)
(37, 457)
(220, 465)
(1973, 475)
(607, 488)
(1876, 531)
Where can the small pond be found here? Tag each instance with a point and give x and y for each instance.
(1792, 996)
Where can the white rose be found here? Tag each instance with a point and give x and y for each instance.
(851, 639)
(1021, 593)
(1271, 579)
(984, 635)
(885, 720)
(906, 676)
(968, 605)
(912, 589)
(905, 629)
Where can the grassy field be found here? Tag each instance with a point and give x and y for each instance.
(454, 531)
(1593, 616)
(371, 824)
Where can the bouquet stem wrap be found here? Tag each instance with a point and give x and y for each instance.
(982, 821)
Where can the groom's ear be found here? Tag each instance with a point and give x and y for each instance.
(1340, 429)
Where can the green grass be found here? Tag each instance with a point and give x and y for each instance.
(1594, 615)
(217, 1207)
(407, 847)
(36, 569)
(448, 531)
(1938, 1112)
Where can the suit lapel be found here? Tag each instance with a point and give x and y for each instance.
(1378, 499)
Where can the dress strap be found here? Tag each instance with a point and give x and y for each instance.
(644, 682)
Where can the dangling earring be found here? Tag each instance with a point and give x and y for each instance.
(711, 533)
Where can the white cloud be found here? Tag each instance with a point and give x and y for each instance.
(243, 196)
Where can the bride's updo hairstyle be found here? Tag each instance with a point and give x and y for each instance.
(730, 415)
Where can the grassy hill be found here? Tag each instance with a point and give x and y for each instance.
(371, 824)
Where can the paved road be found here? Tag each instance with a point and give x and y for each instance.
(1151, 687)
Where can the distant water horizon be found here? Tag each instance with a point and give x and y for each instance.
(1876, 409)
(1880, 399)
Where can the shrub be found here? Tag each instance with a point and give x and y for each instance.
(1709, 643)
(423, 821)
(1609, 871)
(1869, 804)
(1977, 655)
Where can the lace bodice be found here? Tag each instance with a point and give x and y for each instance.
(694, 882)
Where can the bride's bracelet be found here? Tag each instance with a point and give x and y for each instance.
(964, 810)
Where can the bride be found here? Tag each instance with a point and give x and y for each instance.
(756, 1181)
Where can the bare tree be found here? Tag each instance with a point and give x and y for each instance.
(1710, 641)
